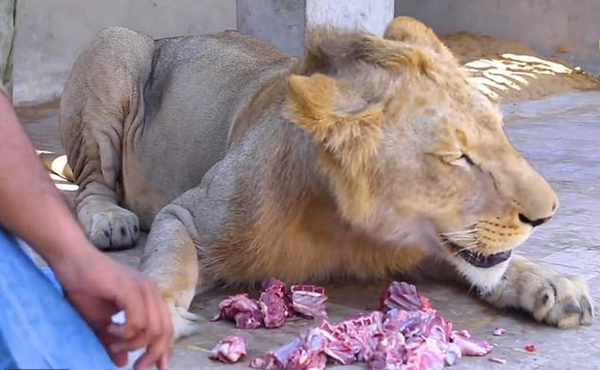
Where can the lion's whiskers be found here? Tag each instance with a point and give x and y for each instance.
(468, 235)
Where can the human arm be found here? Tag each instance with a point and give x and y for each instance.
(33, 209)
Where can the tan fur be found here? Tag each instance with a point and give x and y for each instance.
(347, 140)
(346, 163)
(411, 31)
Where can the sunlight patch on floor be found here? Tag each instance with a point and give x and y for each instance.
(508, 71)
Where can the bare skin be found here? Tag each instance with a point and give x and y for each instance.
(97, 286)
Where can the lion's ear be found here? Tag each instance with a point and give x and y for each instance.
(328, 51)
(411, 31)
(340, 122)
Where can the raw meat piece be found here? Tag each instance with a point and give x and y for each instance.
(310, 355)
(338, 348)
(267, 362)
(280, 289)
(274, 303)
(276, 286)
(340, 352)
(389, 353)
(273, 309)
(499, 332)
(354, 339)
(531, 348)
(309, 300)
(422, 356)
(276, 360)
(229, 350)
(403, 296)
(243, 310)
(428, 338)
(418, 323)
(497, 360)
(304, 353)
(470, 346)
(453, 354)
(388, 359)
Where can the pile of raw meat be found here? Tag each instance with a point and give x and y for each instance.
(275, 304)
(406, 334)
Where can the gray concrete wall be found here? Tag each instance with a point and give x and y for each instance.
(285, 22)
(51, 33)
(548, 26)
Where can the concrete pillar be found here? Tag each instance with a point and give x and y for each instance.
(7, 38)
(284, 22)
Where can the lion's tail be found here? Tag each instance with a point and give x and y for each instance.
(57, 164)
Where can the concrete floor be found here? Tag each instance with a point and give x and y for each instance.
(560, 136)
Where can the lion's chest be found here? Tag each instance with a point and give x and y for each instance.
(318, 260)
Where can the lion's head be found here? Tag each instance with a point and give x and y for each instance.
(414, 152)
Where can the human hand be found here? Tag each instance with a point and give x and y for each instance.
(95, 285)
(98, 287)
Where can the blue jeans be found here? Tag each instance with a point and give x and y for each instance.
(39, 329)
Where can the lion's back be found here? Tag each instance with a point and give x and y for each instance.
(197, 88)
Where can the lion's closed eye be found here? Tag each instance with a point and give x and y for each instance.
(466, 158)
(458, 159)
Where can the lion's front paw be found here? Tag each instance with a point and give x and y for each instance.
(561, 300)
(556, 299)
(110, 226)
(184, 322)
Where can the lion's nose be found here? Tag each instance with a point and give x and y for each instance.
(537, 222)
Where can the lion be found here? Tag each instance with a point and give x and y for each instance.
(368, 157)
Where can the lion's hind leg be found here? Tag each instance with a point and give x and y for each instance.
(101, 108)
